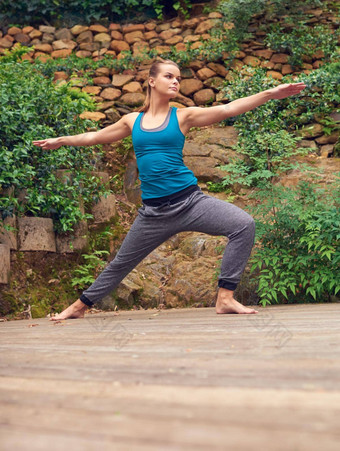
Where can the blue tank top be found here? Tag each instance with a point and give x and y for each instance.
(159, 153)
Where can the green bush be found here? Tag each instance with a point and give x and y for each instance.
(301, 40)
(32, 108)
(298, 255)
(69, 11)
(267, 134)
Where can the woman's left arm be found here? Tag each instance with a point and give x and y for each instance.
(200, 117)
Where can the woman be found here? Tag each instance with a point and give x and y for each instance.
(172, 201)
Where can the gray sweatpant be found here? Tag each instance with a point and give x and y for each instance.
(154, 225)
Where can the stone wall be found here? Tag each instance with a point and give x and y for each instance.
(118, 93)
(37, 234)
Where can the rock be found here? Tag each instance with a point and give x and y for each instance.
(78, 29)
(237, 64)
(98, 29)
(223, 136)
(36, 234)
(102, 80)
(73, 241)
(187, 72)
(105, 209)
(206, 25)
(176, 105)
(163, 27)
(85, 37)
(131, 183)
(335, 116)
(43, 57)
(89, 46)
(190, 85)
(117, 35)
(61, 75)
(193, 245)
(286, 69)
(205, 168)
(12, 31)
(180, 47)
(35, 34)
(265, 53)
(274, 74)
(110, 93)
(310, 131)
(114, 26)
(184, 100)
(190, 23)
(139, 48)
(5, 43)
(251, 61)
(218, 68)
(325, 152)
(5, 263)
(27, 29)
(61, 53)
(102, 38)
(328, 139)
(205, 73)
(204, 97)
(309, 144)
(174, 40)
(22, 38)
(130, 28)
(9, 237)
(133, 86)
(128, 291)
(150, 34)
(279, 58)
(192, 149)
(214, 82)
(133, 99)
(92, 116)
(46, 48)
(63, 33)
(49, 38)
(112, 115)
(135, 36)
(47, 29)
(167, 34)
(162, 49)
(64, 44)
(150, 26)
(119, 80)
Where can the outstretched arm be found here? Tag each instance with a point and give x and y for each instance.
(112, 133)
(200, 117)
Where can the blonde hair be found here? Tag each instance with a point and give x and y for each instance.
(154, 71)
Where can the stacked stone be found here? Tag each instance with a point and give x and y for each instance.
(119, 93)
(37, 234)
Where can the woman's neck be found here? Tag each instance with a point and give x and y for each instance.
(158, 107)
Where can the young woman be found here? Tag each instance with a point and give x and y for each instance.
(172, 201)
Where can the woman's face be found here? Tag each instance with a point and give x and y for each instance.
(167, 80)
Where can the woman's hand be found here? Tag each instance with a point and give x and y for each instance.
(286, 90)
(48, 144)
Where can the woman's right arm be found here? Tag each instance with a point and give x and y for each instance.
(112, 133)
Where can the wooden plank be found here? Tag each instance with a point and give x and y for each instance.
(172, 380)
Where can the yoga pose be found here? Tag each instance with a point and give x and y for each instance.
(172, 200)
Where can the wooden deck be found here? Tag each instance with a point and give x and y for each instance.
(173, 380)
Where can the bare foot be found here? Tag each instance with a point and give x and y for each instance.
(227, 304)
(75, 310)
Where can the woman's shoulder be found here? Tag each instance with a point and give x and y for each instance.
(130, 118)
